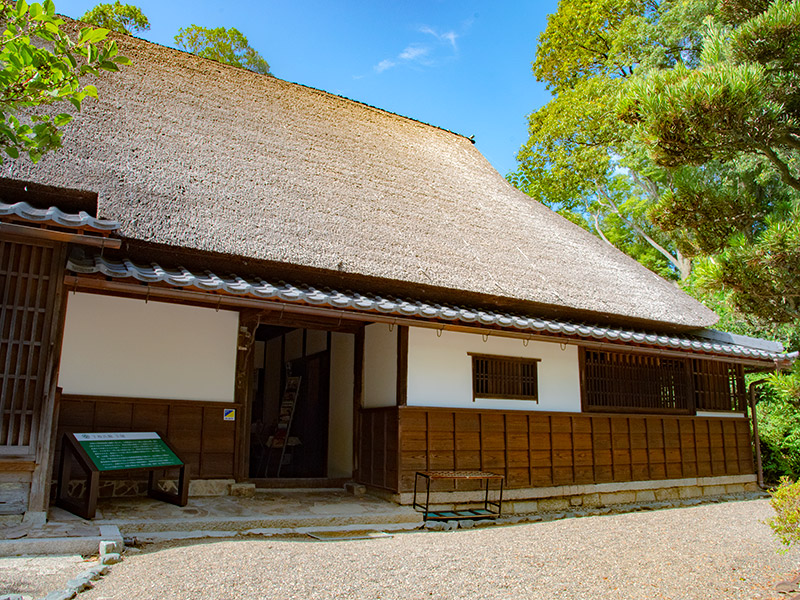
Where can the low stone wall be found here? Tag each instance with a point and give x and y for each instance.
(560, 498)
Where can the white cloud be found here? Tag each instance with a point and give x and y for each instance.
(426, 54)
(414, 52)
(384, 64)
(448, 37)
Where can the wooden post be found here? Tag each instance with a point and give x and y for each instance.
(39, 498)
(402, 365)
(358, 398)
(248, 324)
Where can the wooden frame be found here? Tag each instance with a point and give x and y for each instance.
(504, 377)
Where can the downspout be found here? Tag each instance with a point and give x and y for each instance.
(756, 439)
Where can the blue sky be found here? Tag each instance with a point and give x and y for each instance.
(461, 65)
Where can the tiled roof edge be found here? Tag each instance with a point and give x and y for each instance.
(181, 277)
(26, 212)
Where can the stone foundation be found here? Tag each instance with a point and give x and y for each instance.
(14, 497)
(130, 488)
(564, 498)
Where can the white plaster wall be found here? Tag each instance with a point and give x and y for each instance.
(380, 365)
(340, 429)
(132, 349)
(440, 371)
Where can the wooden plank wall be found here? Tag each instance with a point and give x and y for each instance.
(203, 440)
(538, 449)
(377, 448)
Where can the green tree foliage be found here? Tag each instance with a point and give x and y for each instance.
(122, 18)
(41, 65)
(735, 116)
(779, 430)
(223, 45)
(579, 159)
(687, 182)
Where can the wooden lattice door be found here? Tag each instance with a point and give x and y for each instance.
(31, 278)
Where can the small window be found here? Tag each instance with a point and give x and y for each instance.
(504, 377)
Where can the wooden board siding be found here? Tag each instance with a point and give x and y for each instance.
(202, 439)
(539, 449)
(377, 448)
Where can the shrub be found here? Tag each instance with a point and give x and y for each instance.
(786, 522)
(779, 429)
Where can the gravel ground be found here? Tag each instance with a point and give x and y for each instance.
(36, 576)
(705, 552)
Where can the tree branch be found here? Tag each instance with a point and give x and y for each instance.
(678, 264)
(596, 219)
(783, 168)
(791, 140)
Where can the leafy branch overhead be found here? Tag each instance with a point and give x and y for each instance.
(43, 64)
(222, 45)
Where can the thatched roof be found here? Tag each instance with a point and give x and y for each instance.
(185, 152)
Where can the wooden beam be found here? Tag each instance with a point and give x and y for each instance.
(17, 466)
(402, 365)
(36, 233)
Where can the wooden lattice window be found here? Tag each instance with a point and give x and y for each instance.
(719, 385)
(632, 382)
(504, 377)
(30, 277)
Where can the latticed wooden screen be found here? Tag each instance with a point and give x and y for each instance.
(719, 385)
(504, 377)
(30, 276)
(617, 381)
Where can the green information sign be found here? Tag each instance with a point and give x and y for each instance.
(116, 451)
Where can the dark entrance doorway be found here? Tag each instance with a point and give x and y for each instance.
(291, 403)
